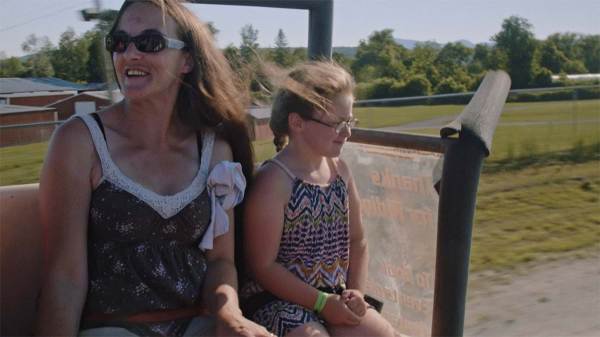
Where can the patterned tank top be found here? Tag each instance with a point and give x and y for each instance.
(143, 250)
(315, 242)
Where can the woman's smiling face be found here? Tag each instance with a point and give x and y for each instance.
(148, 75)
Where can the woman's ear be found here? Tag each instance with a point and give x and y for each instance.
(188, 65)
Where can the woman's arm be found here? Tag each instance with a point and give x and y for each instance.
(220, 286)
(263, 223)
(64, 196)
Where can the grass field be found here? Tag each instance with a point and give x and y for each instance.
(538, 195)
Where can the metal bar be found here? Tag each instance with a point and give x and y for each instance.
(293, 4)
(11, 126)
(320, 30)
(403, 140)
(460, 177)
(320, 20)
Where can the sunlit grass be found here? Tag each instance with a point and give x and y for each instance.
(536, 213)
(21, 164)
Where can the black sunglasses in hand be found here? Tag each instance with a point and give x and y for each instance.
(151, 41)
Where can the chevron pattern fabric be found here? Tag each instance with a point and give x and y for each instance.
(315, 240)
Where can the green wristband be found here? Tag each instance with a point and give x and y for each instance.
(320, 303)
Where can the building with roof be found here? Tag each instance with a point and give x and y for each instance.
(258, 122)
(13, 85)
(38, 98)
(26, 124)
(85, 102)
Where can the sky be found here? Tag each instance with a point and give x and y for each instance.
(354, 20)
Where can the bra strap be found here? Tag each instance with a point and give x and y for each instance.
(283, 167)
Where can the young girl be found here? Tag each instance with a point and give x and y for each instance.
(304, 240)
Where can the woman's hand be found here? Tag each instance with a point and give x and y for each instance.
(336, 312)
(238, 325)
(355, 300)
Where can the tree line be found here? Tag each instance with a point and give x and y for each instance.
(381, 66)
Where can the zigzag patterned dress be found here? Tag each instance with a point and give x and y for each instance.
(314, 246)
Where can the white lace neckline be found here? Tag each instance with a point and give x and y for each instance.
(165, 205)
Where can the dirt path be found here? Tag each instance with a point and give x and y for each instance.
(560, 298)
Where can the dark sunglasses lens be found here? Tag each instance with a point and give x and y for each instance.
(117, 43)
(149, 43)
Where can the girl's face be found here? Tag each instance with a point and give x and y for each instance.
(144, 74)
(321, 132)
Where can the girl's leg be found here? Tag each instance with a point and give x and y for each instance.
(371, 325)
(310, 329)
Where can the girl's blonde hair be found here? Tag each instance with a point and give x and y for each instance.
(306, 89)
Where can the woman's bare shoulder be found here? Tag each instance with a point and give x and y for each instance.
(71, 138)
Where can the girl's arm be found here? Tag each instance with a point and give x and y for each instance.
(262, 233)
(359, 255)
(64, 197)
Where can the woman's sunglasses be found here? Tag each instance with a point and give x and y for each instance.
(147, 42)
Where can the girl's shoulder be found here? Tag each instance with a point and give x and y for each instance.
(272, 179)
(342, 169)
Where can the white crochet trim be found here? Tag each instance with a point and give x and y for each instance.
(226, 185)
(165, 205)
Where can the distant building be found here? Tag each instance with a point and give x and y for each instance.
(258, 122)
(35, 124)
(13, 85)
(85, 102)
(38, 98)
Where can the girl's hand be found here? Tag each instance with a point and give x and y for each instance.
(355, 300)
(238, 325)
(336, 312)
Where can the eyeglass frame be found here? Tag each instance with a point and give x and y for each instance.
(338, 126)
(169, 43)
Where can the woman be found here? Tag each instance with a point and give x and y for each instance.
(304, 239)
(137, 200)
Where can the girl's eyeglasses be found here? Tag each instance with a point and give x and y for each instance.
(147, 42)
(337, 127)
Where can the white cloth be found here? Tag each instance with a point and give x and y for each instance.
(226, 185)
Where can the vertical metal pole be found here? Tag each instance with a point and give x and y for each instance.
(462, 166)
(320, 30)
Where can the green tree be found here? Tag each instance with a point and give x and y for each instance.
(98, 58)
(448, 86)
(542, 78)
(38, 63)
(71, 58)
(379, 56)
(517, 41)
(590, 52)
(417, 85)
(480, 61)
(282, 54)
(551, 58)
(11, 67)
(453, 56)
(422, 61)
(249, 46)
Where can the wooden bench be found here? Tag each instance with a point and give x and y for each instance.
(442, 278)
